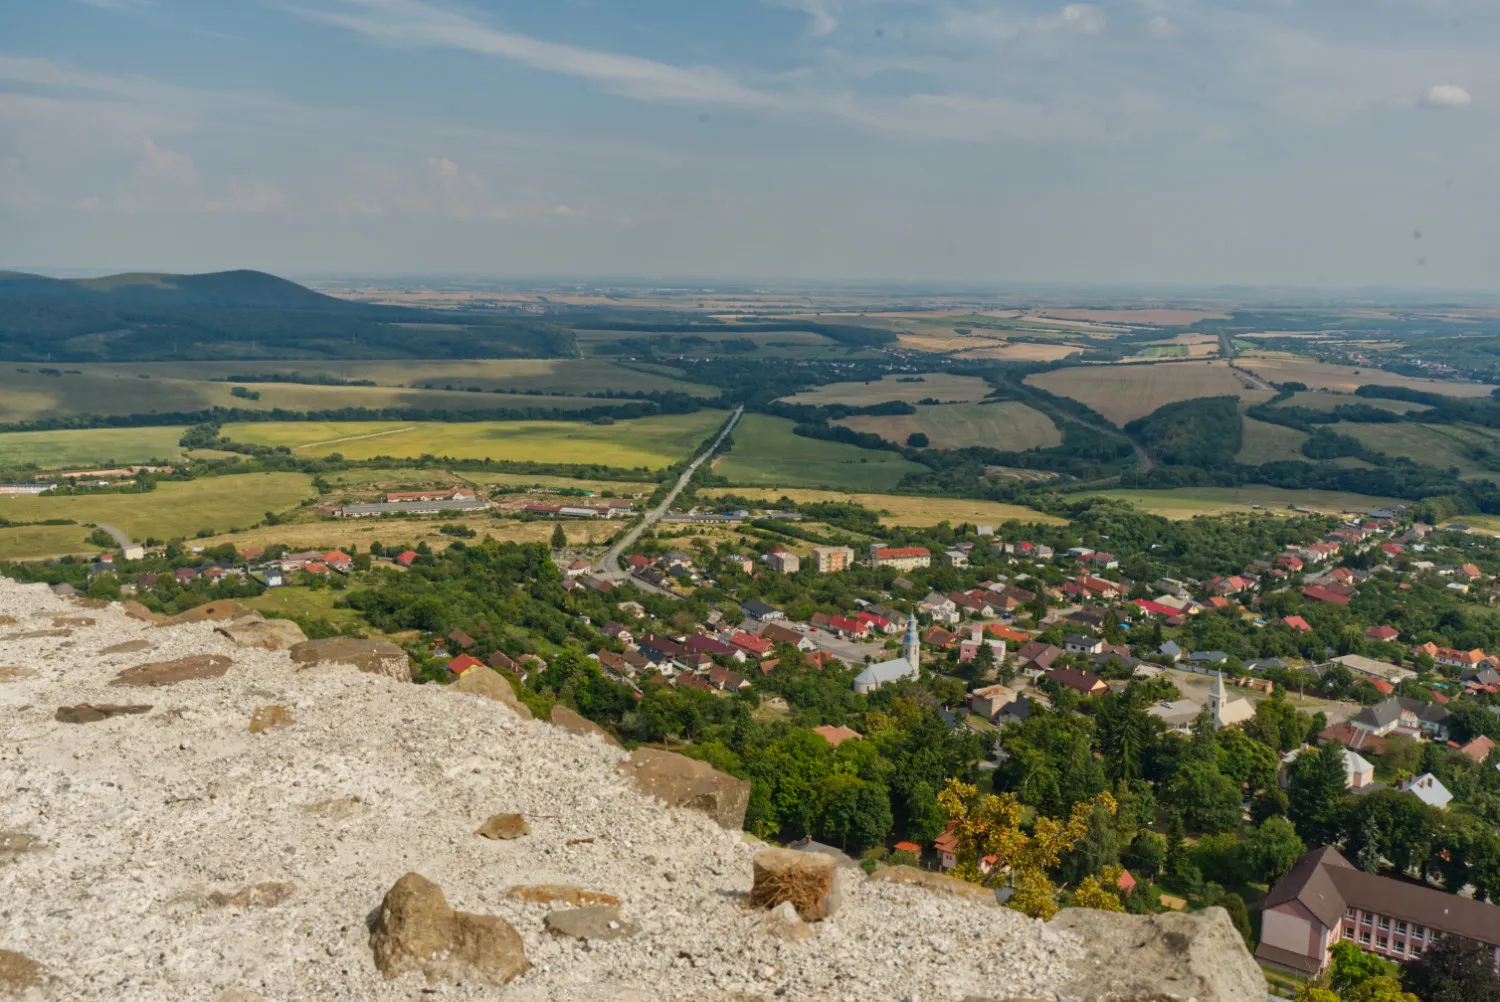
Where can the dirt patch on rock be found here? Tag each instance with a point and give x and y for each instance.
(19, 972)
(128, 647)
(11, 673)
(263, 895)
(567, 894)
(270, 718)
(171, 672)
(210, 612)
(85, 713)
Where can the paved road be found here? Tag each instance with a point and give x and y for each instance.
(610, 562)
(120, 537)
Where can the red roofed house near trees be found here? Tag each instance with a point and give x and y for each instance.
(463, 663)
(1385, 633)
(1297, 623)
(406, 559)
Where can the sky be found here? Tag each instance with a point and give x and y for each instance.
(1321, 143)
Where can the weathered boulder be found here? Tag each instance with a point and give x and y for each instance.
(127, 647)
(680, 781)
(222, 611)
(590, 922)
(783, 923)
(271, 634)
(810, 881)
(1168, 957)
(567, 894)
(576, 723)
(12, 673)
(486, 682)
(417, 932)
(373, 655)
(270, 718)
(19, 972)
(939, 882)
(85, 713)
(196, 666)
(268, 894)
(504, 826)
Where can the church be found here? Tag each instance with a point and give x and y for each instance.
(1227, 712)
(907, 666)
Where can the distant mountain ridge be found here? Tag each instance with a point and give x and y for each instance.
(240, 289)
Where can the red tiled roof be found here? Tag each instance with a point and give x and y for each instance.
(908, 847)
(1297, 623)
(1320, 594)
(1156, 608)
(406, 558)
(901, 552)
(836, 736)
(463, 663)
(1382, 633)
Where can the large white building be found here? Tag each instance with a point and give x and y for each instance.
(907, 666)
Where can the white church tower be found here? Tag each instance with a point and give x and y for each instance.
(911, 647)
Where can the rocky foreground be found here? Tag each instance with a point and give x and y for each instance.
(199, 810)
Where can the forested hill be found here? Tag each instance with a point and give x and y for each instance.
(241, 315)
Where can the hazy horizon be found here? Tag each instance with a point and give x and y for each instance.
(1126, 143)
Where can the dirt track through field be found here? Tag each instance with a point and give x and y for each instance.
(352, 438)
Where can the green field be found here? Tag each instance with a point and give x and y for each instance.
(52, 450)
(173, 511)
(938, 385)
(766, 453)
(1185, 502)
(1440, 445)
(651, 442)
(1008, 425)
(297, 601)
(1327, 400)
(28, 542)
(1270, 443)
(162, 388)
(902, 509)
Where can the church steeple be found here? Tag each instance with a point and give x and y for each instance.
(1216, 700)
(911, 647)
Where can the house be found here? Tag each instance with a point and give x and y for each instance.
(338, 560)
(990, 700)
(1428, 789)
(955, 558)
(407, 558)
(461, 640)
(1323, 899)
(690, 681)
(946, 845)
(1154, 608)
(1358, 772)
(1170, 650)
(1372, 668)
(1204, 658)
(1457, 659)
(780, 633)
(836, 736)
(878, 624)
(941, 608)
(783, 561)
(740, 562)
(449, 494)
(1408, 717)
(749, 642)
(832, 559)
(936, 636)
(727, 681)
(1384, 634)
(759, 610)
(617, 632)
(1297, 623)
(659, 648)
(902, 558)
(1074, 644)
(841, 626)
(577, 568)
(463, 663)
(1037, 657)
(1479, 749)
(500, 659)
(969, 649)
(1083, 682)
(1319, 593)
(713, 648)
(1013, 712)
(184, 574)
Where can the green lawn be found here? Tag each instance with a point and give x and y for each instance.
(297, 601)
(93, 447)
(766, 453)
(1270, 443)
(28, 542)
(1440, 445)
(651, 442)
(174, 510)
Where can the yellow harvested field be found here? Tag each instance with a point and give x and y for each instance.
(1005, 425)
(1347, 378)
(650, 442)
(938, 385)
(898, 509)
(331, 534)
(1326, 400)
(1123, 393)
(1157, 318)
(1186, 502)
(1022, 351)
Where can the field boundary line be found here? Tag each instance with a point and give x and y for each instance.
(353, 438)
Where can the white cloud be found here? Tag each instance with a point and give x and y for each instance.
(247, 196)
(159, 165)
(822, 19)
(1447, 96)
(1084, 18)
(1160, 27)
(414, 22)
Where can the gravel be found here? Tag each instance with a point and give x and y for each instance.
(145, 818)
